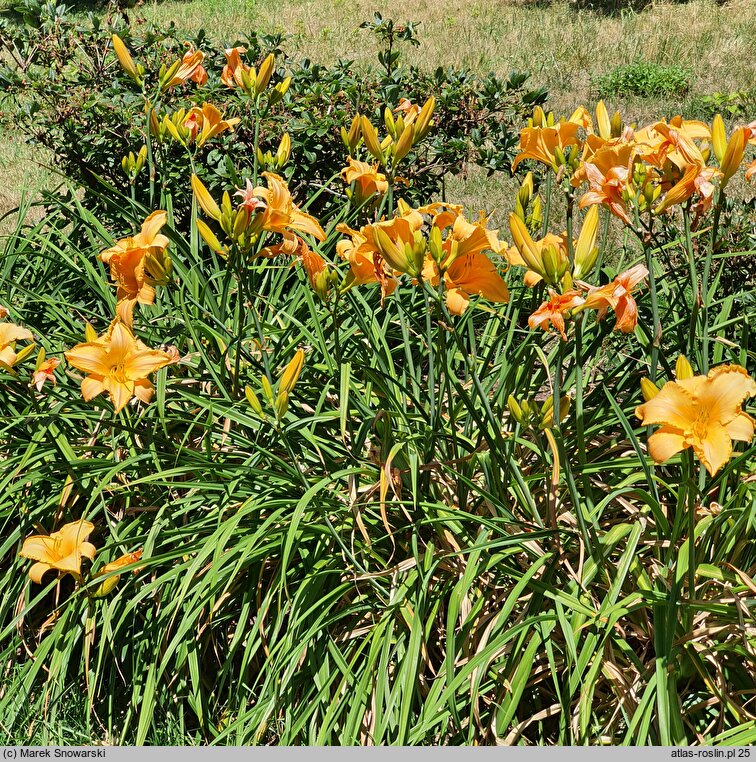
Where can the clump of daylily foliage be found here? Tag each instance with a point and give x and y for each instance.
(468, 390)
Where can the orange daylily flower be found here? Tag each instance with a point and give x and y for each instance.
(45, 371)
(702, 412)
(367, 179)
(673, 141)
(365, 261)
(618, 296)
(118, 363)
(10, 333)
(128, 264)
(231, 76)
(473, 274)
(61, 550)
(554, 311)
(540, 143)
(190, 68)
(282, 215)
(207, 122)
(697, 178)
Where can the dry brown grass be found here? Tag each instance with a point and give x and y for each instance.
(560, 45)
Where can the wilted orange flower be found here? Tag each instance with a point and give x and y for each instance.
(61, 550)
(190, 68)
(554, 311)
(702, 412)
(119, 364)
(207, 122)
(408, 109)
(231, 76)
(618, 296)
(10, 333)
(128, 264)
(540, 143)
(367, 179)
(45, 371)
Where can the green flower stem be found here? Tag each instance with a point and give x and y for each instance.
(718, 203)
(693, 285)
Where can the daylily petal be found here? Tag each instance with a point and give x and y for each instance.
(89, 357)
(665, 443)
(715, 449)
(741, 427)
(37, 571)
(673, 406)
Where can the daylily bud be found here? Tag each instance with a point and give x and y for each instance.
(282, 404)
(616, 124)
(535, 218)
(603, 122)
(551, 265)
(525, 245)
(125, 59)
(514, 409)
(240, 222)
(204, 199)
(284, 150)
(649, 389)
(291, 373)
(253, 399)
(733, 154)
(167, 76)
(539, 118)
(683, 368)
(526, 191)
(388, 120)
(89, 333)
(423, 121)
(355, 132)
(370, 137)
(279, 91)
(435, 245)
(209, 238)
(404, 144)
(265, 73)
(585, 250)
(719, 138)
(267, 390)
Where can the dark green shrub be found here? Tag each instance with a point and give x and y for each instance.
(68, 93)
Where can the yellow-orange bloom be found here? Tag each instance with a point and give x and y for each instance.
(190, 68)
(207, 122)
(61, 550)
(608, 173)
(231, 76)
(702, 412)
(365, 260)
(118, 363)
(10, 333)
(555, 310)
(469, 275)
(697, 178)
(128, 264)
(368, 181)
(281, 214)
(618, 296)
(541, 143)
